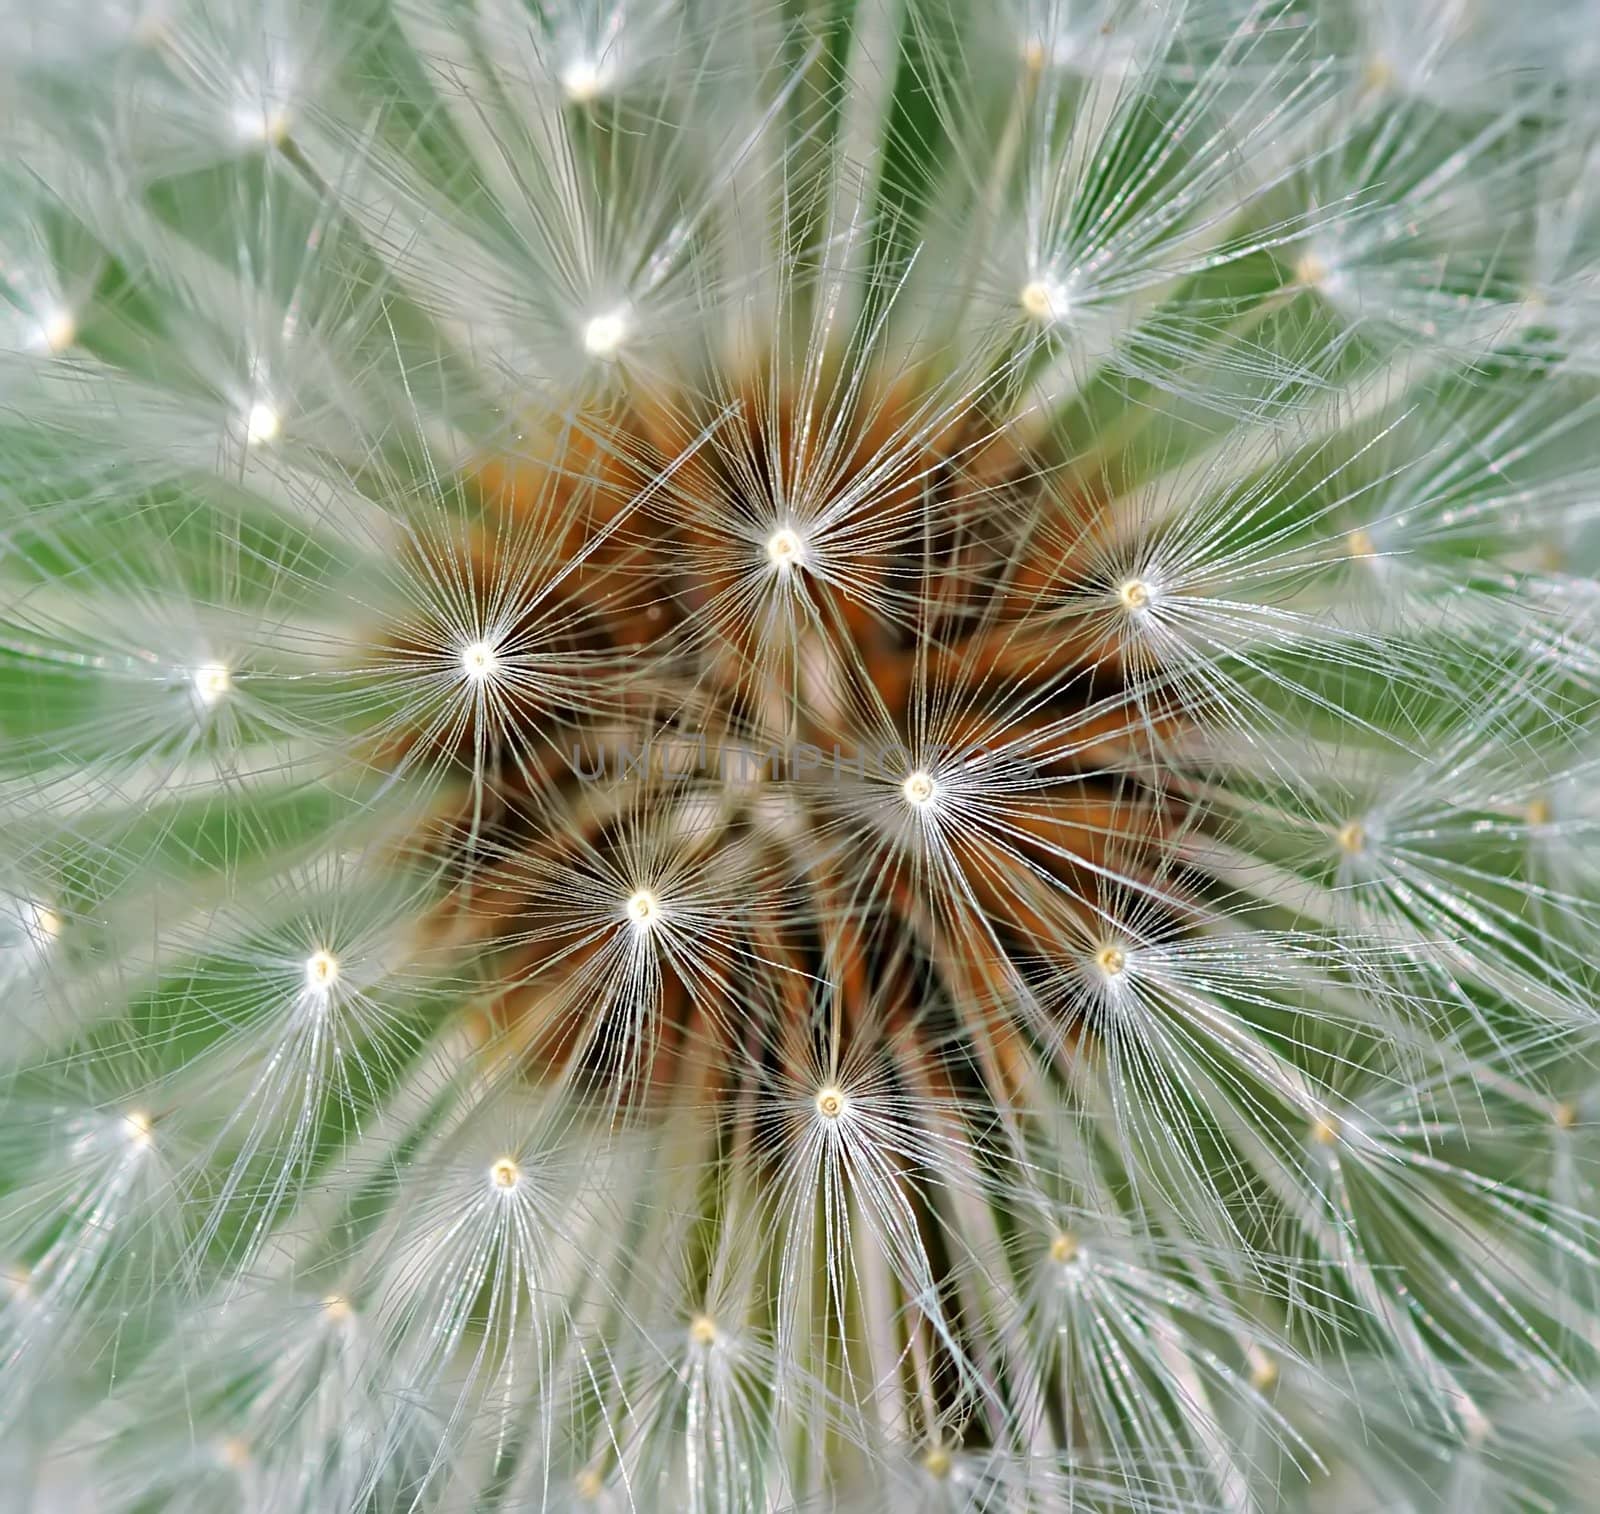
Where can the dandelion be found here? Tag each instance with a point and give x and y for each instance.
(792, 757)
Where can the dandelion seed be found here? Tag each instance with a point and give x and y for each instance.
(1046, 301)
(1377, 74)
(936, 1463)
(1263, 1369)
(920, 790)
(786, 550)
(262, 424)
(268, 124)
(1064, 1248)
(1112, 960)
(831, 1104)
(322, 972)
(604, 334)
(1135, 595)
(233, 1452)
(1352, 837)
(1312, 270)
(32, 927)
(58, 329)
(210, 684)
(136, 1129)
(336, 1308)
(585, 79)
(505, 1174)
(480, 662)
(702, 1331)
(643, 909)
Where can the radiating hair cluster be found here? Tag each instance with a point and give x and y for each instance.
(787, 756)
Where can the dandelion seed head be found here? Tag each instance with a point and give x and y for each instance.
(645, 379)
(605, 333)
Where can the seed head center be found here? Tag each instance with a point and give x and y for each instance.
(479, 661)
(322, 971)
(585, 79)
(604, 334)
(210, 683)
(262, 424)
(643, 908)
(58, 330)
(1112, 960)
(1045, 300)
(831, 1103)
(786, 549)
(1135, 594)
